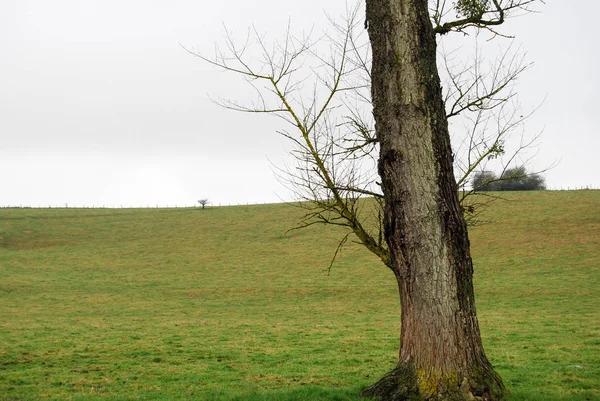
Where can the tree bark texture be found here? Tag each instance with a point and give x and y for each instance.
(441, 354)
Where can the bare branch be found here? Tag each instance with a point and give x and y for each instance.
(325, 97)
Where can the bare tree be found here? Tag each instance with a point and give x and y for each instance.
(203, 202)
(441, 354)
(414, 222)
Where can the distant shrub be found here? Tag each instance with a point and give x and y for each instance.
(484, 181)
(512, 179)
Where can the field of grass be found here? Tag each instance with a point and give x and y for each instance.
(221, 304)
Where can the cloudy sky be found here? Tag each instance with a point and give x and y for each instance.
(101, 106)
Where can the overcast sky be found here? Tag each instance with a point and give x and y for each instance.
(101, 106)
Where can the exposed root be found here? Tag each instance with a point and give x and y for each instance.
(400, 384)
(404, 383)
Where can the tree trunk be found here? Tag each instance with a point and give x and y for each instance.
(441, 354)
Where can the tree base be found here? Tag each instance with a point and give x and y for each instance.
(402, 384)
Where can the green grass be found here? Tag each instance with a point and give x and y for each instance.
(221, 304)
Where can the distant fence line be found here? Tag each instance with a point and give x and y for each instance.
(67, 206)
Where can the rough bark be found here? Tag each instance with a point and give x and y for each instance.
(441, 354)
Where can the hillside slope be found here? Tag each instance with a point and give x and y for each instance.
(223, 303)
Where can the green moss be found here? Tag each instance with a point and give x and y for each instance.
(431, 382)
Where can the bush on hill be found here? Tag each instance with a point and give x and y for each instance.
(512, 179)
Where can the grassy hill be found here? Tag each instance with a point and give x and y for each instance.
(222, 304)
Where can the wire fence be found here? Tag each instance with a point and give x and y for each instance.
(158, 206)
(209, 205)
(586, 188)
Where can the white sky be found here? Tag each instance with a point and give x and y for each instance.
(100, 106)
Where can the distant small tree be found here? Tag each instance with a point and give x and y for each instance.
(203, 202)
(511, 179)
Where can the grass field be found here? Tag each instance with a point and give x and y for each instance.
(221, 304)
